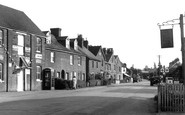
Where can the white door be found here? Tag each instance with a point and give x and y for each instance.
(20, 81)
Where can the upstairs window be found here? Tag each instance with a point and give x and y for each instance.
(92, 64)
(71, 60)
(39, 72)
(39, 45)
(97, 64)
(1, 38)
(79, 60)
(52, 57)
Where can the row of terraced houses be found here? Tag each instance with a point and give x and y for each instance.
(31, 59)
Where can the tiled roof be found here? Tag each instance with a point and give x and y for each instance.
(94, 49)
(108, 56)
(55, 45)
(88, 53)
(18, 20)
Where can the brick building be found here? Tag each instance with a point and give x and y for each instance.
(98, 52)
(91, 60)
(21, 52)
(63, 57)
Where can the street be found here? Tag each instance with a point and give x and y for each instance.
(122, 99)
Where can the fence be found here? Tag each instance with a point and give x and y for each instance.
(171, 97)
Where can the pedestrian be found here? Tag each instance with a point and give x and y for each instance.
(74, 82)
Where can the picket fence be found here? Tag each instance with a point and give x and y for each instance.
(171, 97)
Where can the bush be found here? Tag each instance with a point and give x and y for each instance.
(92, 83)
(106, 82)
(63, 84)
(81, 84)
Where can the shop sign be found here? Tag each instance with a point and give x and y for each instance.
(27, 49)
(1, 57)
(38, 56)
(38, 61)
(15, 47)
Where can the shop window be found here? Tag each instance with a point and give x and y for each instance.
(38, 72)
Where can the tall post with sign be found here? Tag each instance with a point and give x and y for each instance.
(182, 46)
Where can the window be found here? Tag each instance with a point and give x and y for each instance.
(1, 71)
(92, 64)
(52, 57)
(1, 38)
(83, 76)
(67, 76)
(39, 45)
(20, 44)
(97, 64)
(79, 60)
(71, 76)
(58, 74)
(71, 60)
(39, 72)
(102, 63)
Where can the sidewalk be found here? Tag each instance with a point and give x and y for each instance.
(170, 113)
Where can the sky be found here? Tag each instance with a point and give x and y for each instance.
(128, 26)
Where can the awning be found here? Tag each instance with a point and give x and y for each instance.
(21, 65)
(126, 75)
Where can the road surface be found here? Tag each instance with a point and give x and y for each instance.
(122, 99)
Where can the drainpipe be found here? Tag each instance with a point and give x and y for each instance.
(7, 58)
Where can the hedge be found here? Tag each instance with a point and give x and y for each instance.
(81, 84)
(63, 84)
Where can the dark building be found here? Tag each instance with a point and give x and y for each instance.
(21, 52)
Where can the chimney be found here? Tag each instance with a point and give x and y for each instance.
(80, 40)
(86, 44)
(105, 51)
(110, 51)
(56, 32)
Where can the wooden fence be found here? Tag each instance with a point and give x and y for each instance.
(171, 97)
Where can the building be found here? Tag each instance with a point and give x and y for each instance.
(21, 51)
(118, 68)
(91, 60)
(98, 52)
(63, 58)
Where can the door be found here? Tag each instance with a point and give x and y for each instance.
(47, 79)
(20, 81)
(27, 80)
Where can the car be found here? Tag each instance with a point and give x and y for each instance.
(155, 80)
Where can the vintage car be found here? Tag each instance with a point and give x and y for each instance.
(155, 80)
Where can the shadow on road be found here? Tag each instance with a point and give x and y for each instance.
(80, 105)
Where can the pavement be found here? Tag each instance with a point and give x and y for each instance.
(114, 99)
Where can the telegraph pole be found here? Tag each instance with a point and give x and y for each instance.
(182, 46)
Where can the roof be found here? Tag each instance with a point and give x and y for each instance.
(94, 49)
(88, 53)
(108, 56)
(17, 20)
(55, 45)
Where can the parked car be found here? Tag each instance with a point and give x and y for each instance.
(155, 80)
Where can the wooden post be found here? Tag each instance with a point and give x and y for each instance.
(182, 46)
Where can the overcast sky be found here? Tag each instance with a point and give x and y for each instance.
(127, 26)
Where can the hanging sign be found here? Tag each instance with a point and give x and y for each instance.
(166, 38)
